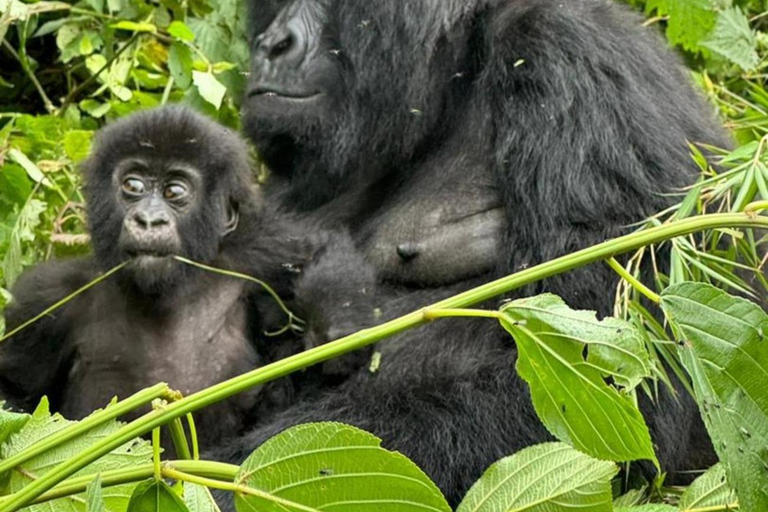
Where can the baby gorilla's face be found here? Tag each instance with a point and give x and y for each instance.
(156, 198)
(164, 183)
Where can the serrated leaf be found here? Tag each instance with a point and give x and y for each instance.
(42, 425)
(724, 351)
(550, 477)
(180, 65)
(734, 39)
(569, 392)
(709, 490)
(179, 30)
(199, 499)
(210, 89)
(94, 502)
(321, 465)
(155, 496)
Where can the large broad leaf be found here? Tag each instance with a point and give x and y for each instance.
(709, 490)
(723, 348)
(569, 391)
(42, 425)
(331, 466)
(551, 477)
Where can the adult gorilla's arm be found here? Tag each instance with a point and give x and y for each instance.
(31, 361)
(591, 127)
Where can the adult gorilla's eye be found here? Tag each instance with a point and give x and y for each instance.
(134, 187)
(174, 192)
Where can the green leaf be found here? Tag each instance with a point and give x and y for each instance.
(23, 231)
(180, 31)
(550, 477)
(94, 502)
(11, 422)
(199, 499)
(648, 508)
(15, 183)
(569, 392)
(94, 108)
(733, 39)
(338, 467)
(42, 425)
(223, 67)
(709, 490)
(155, 496)
(180, 65)
(77, 144)
(33, 171)
(689, 21)
(210, 89)
(135, 27)
(723, 349)
(96, 5)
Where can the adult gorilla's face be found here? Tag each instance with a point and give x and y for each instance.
(339, 85)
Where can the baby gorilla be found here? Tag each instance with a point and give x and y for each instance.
(167, 183)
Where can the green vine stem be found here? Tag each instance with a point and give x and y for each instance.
(204, 469)
(372, 335)
(633, 281)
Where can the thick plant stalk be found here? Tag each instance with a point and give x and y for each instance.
(219, 392)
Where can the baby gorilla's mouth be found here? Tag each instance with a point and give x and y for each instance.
(148, 254)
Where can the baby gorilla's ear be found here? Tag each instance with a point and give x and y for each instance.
(232, 217)
(337, 296)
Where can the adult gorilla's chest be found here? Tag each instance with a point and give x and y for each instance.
(444, 225)
(203, 341)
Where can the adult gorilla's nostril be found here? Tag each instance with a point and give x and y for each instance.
(282, 47)
(279, 43)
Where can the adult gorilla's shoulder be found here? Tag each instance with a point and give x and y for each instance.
(458, 139)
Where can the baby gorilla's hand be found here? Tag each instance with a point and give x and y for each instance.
(336, 295)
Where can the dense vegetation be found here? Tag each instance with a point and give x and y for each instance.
(66, 68)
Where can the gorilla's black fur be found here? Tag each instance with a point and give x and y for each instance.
(163, 183)
(457, 139)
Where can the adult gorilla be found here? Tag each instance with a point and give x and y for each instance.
(458, 139)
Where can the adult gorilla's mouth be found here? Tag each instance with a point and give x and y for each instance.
(270, 91)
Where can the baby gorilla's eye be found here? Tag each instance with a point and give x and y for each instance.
(134, 187)
(174, 192)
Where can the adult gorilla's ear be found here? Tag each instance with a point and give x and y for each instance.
(232, 217)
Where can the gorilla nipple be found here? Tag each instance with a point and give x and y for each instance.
(408, 251)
